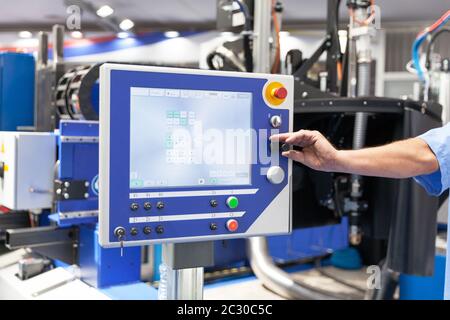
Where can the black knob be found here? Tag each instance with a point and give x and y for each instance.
(160, 205)
(134, 231)
(147, 205)
(213, 226)
(119, 232)
(147, 230)
(285, 147)
(134, 206)
(214, 203)
(159, 229)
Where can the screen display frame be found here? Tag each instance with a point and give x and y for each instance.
(142, 91)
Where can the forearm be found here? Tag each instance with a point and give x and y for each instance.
(402, 159)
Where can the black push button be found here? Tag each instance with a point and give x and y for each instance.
(214, 203)
(159, 229)
(134, 231)
(213, 226)
(160, 205)
(147, 205)
(147, 230)
(285, 147)
(134, 206)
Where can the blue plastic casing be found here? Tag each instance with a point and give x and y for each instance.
(264, 207)
(16, 91)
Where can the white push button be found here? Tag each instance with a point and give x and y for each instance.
(275, 121)
(275, 175)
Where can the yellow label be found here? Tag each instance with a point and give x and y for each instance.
(3, 148)
(5, 168)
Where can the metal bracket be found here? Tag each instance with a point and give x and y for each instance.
(52, 242)
(13, 220)
(71, 190)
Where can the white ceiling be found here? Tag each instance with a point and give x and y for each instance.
(32, 14)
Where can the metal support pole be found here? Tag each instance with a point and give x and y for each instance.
(262, 33)
(182, 268)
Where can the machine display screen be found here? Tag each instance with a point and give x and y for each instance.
(190, 138)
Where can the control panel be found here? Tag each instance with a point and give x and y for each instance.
(27, 162)
(185, 155)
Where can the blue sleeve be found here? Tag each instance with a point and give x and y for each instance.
(439, 142)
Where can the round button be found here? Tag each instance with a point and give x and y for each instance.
(147, 205)
(275, 121)
(275, 175)
(232, 225)
(159, 229)
(147, 230)
(213, 226)
(134, 206)
(213, 203)
(232, 202)
(134, 231)
(280, 93)
(160, 205)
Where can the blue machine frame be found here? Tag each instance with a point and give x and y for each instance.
(264, 207)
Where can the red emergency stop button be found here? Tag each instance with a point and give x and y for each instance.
(232, 225)
(279, 93)
(275, 93)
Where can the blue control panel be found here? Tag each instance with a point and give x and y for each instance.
(185, 155)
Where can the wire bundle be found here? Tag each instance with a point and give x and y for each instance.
(421, 38)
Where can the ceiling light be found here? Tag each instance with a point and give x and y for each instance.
(285, 34)
(171, 34)
(25, 34)
(105, 11)
(123, 35)
(76, 34)
(126, 24)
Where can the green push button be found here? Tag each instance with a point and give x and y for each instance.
(232, 202)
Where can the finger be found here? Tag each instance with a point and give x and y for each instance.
(294, 155)
(281, 137)
(302, 138)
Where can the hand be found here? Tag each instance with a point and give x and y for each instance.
(317, 152)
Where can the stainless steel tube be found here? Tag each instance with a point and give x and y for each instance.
(275, 278)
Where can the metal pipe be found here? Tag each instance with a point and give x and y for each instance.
(58, 44)
(275, 278)
(42, 54)
(262, 31)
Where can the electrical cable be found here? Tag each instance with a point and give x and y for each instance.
(429, 46)
(421, 38)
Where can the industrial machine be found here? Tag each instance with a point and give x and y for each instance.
(138, 167)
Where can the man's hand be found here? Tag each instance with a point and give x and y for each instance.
(401, 159)
(317, 152)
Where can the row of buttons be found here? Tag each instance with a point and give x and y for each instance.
(232, 225)
(232, 203)
(147, 206)
(146, 230)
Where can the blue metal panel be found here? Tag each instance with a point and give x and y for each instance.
(134, 291)
(102, 267)
(16, 91)
(78, 161)
(254, 205)
(424, 288)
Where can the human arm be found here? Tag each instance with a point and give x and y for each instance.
(401, 159)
